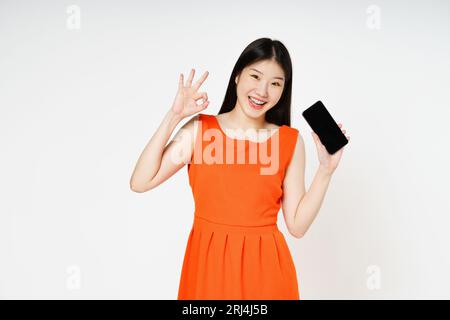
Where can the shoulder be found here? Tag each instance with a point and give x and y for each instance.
(294, 142)
(292, 133)
(205, 116)
(203, 119)
(193, 119)
(198, 117)
(298, 139)
(192, 123)
(291, 130)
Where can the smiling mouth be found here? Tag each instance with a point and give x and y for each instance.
(254, 104)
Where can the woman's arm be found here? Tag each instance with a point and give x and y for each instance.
(300, 208)
(311, 202)
(157, 161)
(294, 185)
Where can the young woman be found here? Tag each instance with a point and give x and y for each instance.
(235, 250)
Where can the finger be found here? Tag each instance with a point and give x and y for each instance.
(201, 80)
(203, 105)
(199, 95)
(191, 76)
(340, 125)
(343, 131)
(203, 97)
(180, 81)
(317, 139)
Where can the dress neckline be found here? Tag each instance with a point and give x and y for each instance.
(277, 131)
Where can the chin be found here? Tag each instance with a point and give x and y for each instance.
(252, 113)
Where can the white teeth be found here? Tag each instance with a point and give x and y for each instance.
(257, 101)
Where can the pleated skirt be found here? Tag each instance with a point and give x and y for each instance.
(227, 262)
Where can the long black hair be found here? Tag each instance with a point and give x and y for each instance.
(258, 50)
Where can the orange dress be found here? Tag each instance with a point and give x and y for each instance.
(235, 249)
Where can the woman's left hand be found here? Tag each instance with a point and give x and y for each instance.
(328, 162)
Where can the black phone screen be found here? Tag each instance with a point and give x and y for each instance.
(323, 124)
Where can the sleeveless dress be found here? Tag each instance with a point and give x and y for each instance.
(235, 250)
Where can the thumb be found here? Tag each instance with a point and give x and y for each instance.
(316, 138)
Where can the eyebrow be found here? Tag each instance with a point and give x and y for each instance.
(263, 73)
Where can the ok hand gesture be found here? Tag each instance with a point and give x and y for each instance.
(185, 103)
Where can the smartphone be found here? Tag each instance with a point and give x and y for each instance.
(323, 124)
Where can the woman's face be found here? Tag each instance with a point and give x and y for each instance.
(264, 82)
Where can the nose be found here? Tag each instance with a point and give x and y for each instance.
(262, 90)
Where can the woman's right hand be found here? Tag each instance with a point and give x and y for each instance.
(185, 103)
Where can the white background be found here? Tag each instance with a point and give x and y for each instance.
(78, 106)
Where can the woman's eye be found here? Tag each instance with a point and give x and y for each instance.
(256, 77)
